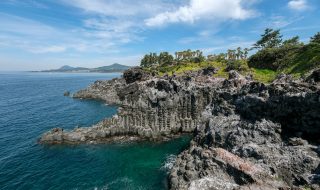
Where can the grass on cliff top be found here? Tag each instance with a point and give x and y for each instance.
(305, 60)
(262, 75)
(182, 68)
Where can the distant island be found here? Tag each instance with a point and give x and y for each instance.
(105, 69)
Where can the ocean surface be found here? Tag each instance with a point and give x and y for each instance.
(33, 103)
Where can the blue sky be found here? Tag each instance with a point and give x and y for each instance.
(44, 34)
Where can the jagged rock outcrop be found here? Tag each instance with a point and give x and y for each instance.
(314, 77)
(293, 104)
(135, 74)
(247, 134)
(230, 153)
(103, 90)
(152, 109)
(66, 93)
(158, 107)
(209, 70)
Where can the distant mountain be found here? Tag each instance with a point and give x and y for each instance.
(69, 68)
(105, 69)
(114, 67)
(66, 68)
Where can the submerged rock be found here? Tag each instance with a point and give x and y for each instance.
(66, 93)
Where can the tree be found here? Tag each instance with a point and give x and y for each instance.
(179, 56)
(292, 41)
(211, 57)
(270, 39)
(149, 60)
(198, 57)
(165, 58)
(221, 57)
(229, 54)
(189, 56)
(315, 38)
(233, 54)
(245, 53)
(239, 53)
(145, 61)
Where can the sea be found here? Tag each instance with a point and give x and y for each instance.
(32, 103)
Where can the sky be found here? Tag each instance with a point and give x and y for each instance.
(47, 34)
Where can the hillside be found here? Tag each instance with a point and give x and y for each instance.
(269, 57)
(111, 68)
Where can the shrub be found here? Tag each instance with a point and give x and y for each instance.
(273, 58)
(238, 65)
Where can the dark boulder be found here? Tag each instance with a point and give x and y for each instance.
(234, 75)
(283, 78)
(135, 74)
(129, 89)
(209, 70)
(164, 85)
(66, 93)
(314, 77)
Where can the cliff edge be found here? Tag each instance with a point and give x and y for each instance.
(247, 135)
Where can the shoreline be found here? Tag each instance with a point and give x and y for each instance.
(151, 108)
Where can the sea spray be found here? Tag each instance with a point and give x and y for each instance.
(168, 164)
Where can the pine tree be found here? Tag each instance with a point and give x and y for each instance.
(315, 38)
(270, 39)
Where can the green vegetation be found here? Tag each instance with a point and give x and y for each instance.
(264, 75)
(270, 39)
(289, 56)
(271, 55)
(306, 188)
(305, 59)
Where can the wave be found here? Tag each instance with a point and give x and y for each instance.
(168, 164)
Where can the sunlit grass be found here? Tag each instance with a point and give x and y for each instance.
(264, 75)
(261, 75)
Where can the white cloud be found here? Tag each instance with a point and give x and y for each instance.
(115, 23)
(96, 35)
(26, 3)
(107, 26)
(202, 36)
(311, 27)
(278, 21)
(49, 49)
(120, 8)
(298, 5)
(14, 24)
(225, 46)
(204, 9)
(116, 30)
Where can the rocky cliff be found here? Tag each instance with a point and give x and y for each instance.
(149, 107)
(230, 153)
(248, 135)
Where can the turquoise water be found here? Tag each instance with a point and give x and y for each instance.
(32, 103)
